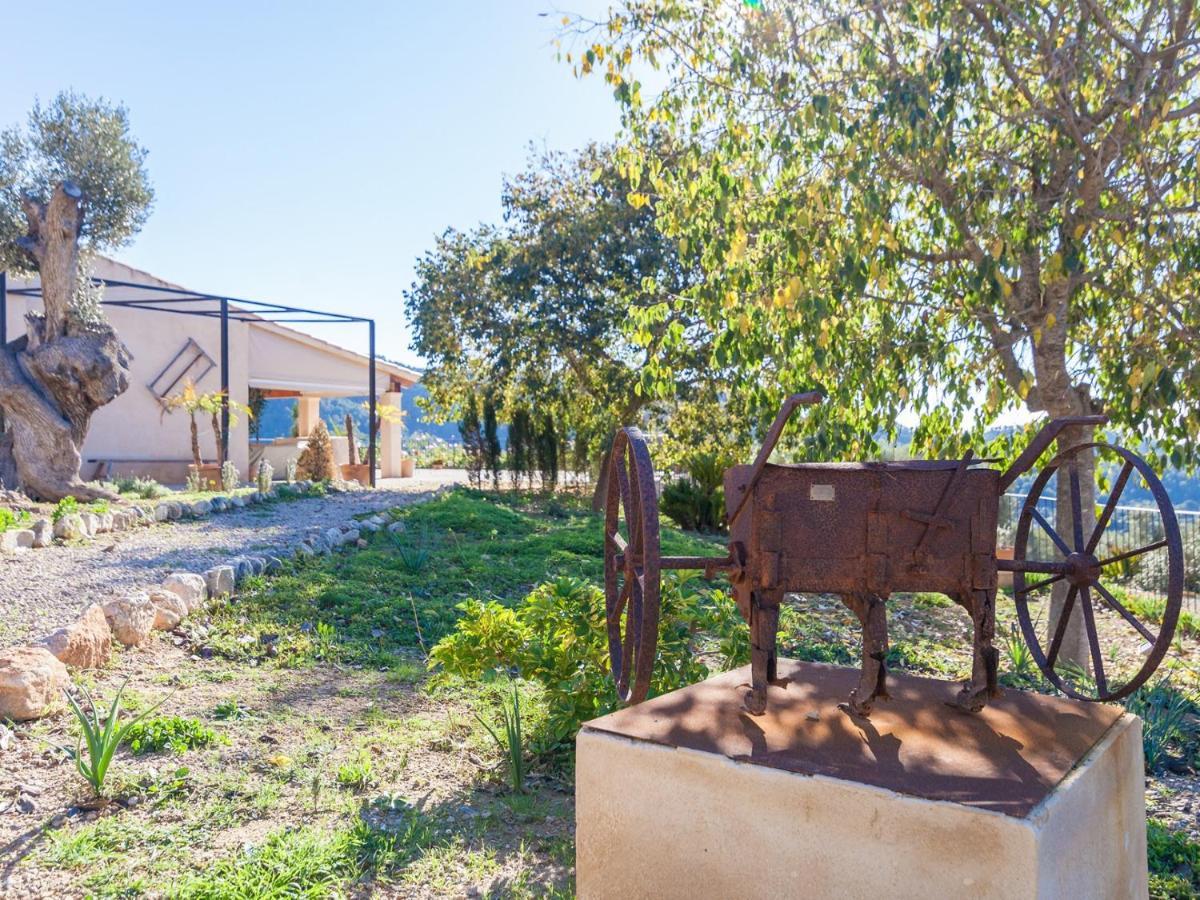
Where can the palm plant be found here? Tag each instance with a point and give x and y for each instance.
(194, 403)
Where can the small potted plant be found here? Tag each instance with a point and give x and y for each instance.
(194, 403)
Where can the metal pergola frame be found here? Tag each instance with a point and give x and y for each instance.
(216, 306)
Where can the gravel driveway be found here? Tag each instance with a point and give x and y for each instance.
(41, 590)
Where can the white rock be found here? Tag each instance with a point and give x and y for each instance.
(69, 528)
(31, 682)
(191, 588)
(85, 643)
(220, 581)
(43, 533)
(169, 608)
(131, 618)
(396, 527)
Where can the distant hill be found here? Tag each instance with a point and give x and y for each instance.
(278, 420)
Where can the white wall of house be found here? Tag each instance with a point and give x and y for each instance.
(133, 429)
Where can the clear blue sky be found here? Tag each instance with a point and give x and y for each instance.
(307, 153)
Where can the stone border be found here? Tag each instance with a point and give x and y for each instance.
(88, 525)
(32, 677)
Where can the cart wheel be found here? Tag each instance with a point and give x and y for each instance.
(631, 565)
(1089, 561)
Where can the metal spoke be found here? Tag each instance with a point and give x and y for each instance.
(1058, 542)
(1126, 614)
(1128, 553)
(1109, 508)
(1061, 630)
(1040, 584)
(1076, 508)
(1089, 621)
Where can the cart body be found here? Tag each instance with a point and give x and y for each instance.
(868, 528)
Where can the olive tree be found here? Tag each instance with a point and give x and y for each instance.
(72, 182)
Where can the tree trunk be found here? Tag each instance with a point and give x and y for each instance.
(351, 445)
(1075, 644)
(196, 457)
(62, 370)
(216, 424)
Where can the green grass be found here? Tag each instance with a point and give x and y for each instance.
(375, 606)
(1174, 862)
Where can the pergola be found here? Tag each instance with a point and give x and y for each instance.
(181, 301)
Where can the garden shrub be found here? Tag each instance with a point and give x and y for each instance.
(1174, 862)
(316, 460)
(10, 518)
(65, 507)
(557, 637)
(696, 502)
(173, 733)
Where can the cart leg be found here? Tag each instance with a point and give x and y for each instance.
(872, 614)
(983, 685)
(764, 626)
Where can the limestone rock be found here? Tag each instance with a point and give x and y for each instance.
(106, 522)
(174, 510)
(31, 682)
(274, 565)
(8, 542)
(220, 581)
(169, 608)
(304, 550)
(396, 527)
(84, 644)
(69, 528)
(162, 512)
(131, 618)
(43, 533)
(191, 588)
(201, 508)
(351, 536)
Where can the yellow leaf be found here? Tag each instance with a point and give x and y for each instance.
(997, 248)
(638, 200)
(1050, 320)
(737, 247)
(1080, 230)
(280, 761)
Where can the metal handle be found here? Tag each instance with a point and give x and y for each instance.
(764, 453)
(1040, 442)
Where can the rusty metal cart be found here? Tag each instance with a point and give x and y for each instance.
(865, 530)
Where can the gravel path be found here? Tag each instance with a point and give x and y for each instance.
(41, 590)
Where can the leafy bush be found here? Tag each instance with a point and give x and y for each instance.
(230, 478)
(10, 518)
(143, 488)
(1174, 862)
(67, 506)
(697, 501)
(173, 733)
(557, 637)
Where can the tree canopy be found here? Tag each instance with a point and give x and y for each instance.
(950, 207)
(83, 141)
(535, 311)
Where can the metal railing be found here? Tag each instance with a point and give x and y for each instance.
(1129, 528)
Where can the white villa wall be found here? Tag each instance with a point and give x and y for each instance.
(132, 429)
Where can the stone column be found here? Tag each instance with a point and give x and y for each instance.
(308, 411)
(390, 452)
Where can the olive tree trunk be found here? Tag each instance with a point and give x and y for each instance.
(61, 370)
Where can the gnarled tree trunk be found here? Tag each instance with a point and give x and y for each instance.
(62, 370)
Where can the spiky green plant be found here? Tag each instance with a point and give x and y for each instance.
(103, 735)
(511, 745)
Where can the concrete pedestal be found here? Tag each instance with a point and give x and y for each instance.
(688, 796)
